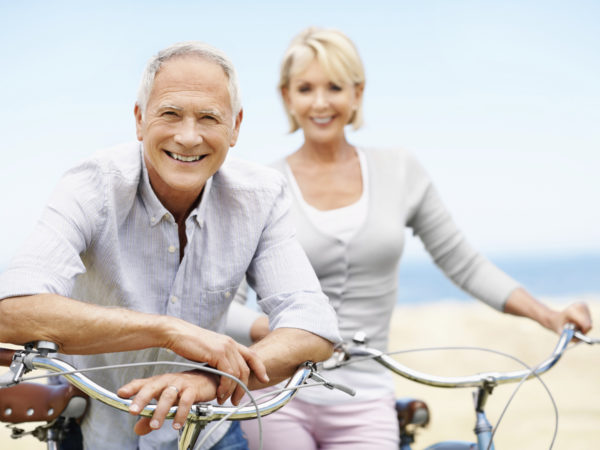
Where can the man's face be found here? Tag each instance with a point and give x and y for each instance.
(187, 127)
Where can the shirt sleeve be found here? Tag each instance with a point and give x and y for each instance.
(285, 283)
(467, 268)
(50, 259)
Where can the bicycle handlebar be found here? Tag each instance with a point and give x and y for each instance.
(201, 412)
(478, 380)
(21, 361)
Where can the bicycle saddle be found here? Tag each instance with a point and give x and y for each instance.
(412, 412)
(34, 402)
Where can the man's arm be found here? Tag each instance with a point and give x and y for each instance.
(82, 328)
(282, 351)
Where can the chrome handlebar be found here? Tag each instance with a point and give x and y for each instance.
(199, 415)
(205, 412)
(347, 352)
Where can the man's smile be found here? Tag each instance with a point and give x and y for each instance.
(183, 158)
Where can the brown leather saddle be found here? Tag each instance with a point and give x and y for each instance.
(34, 402)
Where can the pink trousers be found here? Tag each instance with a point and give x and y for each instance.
(305, 426)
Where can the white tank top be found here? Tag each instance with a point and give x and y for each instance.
(343, 222)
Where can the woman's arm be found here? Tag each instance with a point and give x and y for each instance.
(521, 303)
(244, 324)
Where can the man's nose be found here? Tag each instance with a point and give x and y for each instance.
(188, 134)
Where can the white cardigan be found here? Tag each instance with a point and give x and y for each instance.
(360, 276)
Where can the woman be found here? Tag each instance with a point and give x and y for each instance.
(351, 206)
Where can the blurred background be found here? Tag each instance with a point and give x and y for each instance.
(499, 100)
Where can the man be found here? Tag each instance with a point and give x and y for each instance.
(142, 247)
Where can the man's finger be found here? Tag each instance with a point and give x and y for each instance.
(237, 395)
(142, 426)
(255, 364)
(186, 400)
(168, 398)
(225, 389)
(130, 389)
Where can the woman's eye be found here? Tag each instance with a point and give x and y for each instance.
(304, 88)
(335, 87)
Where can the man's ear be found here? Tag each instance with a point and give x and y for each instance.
(236, 128)
(137, 112)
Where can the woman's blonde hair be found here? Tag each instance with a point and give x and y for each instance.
(335, 52)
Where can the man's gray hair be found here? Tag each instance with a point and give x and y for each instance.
(196, 48)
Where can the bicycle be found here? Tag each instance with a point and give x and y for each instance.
(22, 402)
(414, 414)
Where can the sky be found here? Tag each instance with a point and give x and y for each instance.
(500, 101)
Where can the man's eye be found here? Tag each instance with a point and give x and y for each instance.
(169, 114)
(208, 118)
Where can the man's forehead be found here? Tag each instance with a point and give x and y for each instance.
(192, 77)
(198, 66)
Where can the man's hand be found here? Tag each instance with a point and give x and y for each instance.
(181, 389)
(220, 352)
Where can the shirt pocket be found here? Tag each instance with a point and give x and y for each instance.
(212, 307)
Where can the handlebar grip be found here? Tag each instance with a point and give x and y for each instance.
(6, 356)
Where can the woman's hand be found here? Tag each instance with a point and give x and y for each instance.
(577, 314)
(521, 303)
(182, 389)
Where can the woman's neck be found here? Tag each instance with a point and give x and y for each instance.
(325, 153)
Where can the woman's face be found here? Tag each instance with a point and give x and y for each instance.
(321, 106)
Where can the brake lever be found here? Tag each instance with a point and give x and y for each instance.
(22, 361)
(329, 385)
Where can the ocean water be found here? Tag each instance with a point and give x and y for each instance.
(559, 277)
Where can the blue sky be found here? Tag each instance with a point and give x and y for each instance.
(499, 100)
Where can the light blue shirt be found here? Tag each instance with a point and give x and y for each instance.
(105, 238)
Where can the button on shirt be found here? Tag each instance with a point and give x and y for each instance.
(105, 238)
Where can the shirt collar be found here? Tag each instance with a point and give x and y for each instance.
(156, 210)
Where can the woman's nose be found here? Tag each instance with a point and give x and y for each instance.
(321, 99)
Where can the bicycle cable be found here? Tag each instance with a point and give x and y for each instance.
(200, 366)
(268, 394)
(197, 366)
(522, 381)
(483, 349)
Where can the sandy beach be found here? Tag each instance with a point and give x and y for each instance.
(529, 421)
